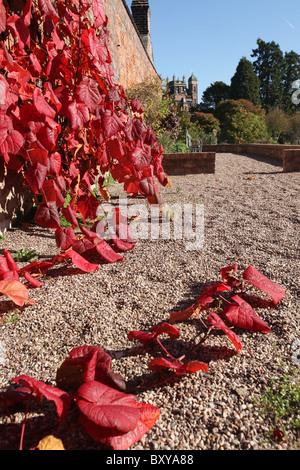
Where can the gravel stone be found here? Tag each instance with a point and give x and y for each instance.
(247, 221)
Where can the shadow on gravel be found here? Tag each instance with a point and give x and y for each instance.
(263, 173)
(45, 424)
(8, 306)
(179, 349)
(270, 160)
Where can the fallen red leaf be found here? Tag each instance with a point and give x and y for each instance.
(40, 390)
(241, 315)
(105, 412)
(78, 260)
(218, 323)
(16, 291)
(260, 281)
(180, 368)
(228, 275)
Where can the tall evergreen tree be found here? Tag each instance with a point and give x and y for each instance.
(245, 83)
(270, 68)
(292, 74)
(216, 92)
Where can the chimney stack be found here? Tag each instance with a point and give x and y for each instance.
(141, 16)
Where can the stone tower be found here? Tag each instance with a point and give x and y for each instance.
(141, 14)
(186, 96)
(193, 89)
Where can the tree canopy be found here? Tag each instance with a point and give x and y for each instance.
(269, 66)
(216, 92)
(245, 83)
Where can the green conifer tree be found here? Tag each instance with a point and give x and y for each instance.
(270, 69)
(245, 83)
(292, 74)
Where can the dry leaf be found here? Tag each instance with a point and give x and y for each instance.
(50, 443)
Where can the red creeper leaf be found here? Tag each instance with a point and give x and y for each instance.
(35, 176)
(47, 7)
(260, 281)
(10, 140)
(105, 410)
(16, 291)
(218, 323)
(189, 367)
(47, 215)
(78, 114)
(78, 260)
(142, 336)
(228, 277)
(241, 315)
(112, 417)
(148, 338)
(185, 314)
(88, 93)
(149, 414)
(99, 13)
(88, 207)
(136, 106)
(65, 237)
(88, 363)
(40, 390)
(41, 104)
(2, 17)
(166, 328)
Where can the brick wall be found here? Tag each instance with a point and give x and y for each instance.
(288, 154)
(130, 59)
(291, 160)
(189, 163)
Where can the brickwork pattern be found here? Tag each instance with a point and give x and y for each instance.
(130, 61)
(287, 154)
(291, 161)
(189, 163)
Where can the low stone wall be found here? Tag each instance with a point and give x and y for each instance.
(287, 154)
(189, 163)
(15, 200)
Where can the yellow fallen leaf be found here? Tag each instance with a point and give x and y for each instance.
(50, 443)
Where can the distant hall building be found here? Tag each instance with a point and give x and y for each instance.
(184, 94)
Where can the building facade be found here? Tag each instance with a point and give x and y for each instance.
(184, 93)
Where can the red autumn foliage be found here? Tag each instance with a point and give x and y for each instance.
(179, 367)
(110, 416)
(107, 412)
(64, 122)
(240, 314)
(214, 320)
(257, 279)
(87, 363)
(148, 338)
(40, 390)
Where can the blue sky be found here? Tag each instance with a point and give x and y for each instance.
(209, 38)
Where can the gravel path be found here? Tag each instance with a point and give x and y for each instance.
(251, 217)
